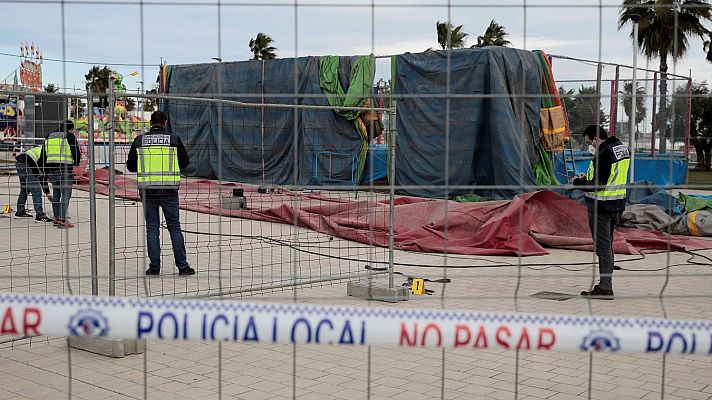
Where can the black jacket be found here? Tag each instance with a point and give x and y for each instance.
(76, 155)
(609, 152)
(132, 159)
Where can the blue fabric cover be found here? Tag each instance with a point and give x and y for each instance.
(492, 128)
(235, 149)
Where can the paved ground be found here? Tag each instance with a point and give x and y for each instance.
(41, 259)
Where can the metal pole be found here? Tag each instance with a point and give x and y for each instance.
(112, 192)
(392, 198)
(597, 112)
(688, 121)
(652, 128)
(614, 103)
(634, 90)
(92, 195)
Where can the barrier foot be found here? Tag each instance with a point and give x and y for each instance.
(117, 348)
(376, 291)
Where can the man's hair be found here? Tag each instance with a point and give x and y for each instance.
(158, 118)
(66, 126)
(592, 131)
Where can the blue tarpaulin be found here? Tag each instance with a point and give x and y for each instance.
(376, 163)
(248, 142)
(493, 122)
(491, 128)
(663, 170)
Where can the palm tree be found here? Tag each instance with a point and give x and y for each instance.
(707, 46)
(627, 93)
(494, 36)
(581, 109)
(664, 30)
(98, 82)
(261, 47)
(51, 88)
(450, 37)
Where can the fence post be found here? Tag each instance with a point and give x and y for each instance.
(652, 127)
(634, 93)
(392, 195)
(112, 190)
(688, 116)
(614, 103)
(92, 193)
(597, 112)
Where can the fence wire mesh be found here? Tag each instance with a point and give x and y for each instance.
(289, 202)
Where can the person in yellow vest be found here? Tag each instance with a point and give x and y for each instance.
(31, 181)
(606, 181)
(60, 153)
(158, 158)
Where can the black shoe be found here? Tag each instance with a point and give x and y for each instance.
(23, 214)
(153, 271)
(186, 271)
(44, 218)
(599, 294)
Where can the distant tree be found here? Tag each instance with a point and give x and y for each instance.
(700, 112)
(664, 30)
(151, 104)
(51, 88)
(581, 111)
(130, 104)
(261, 47)
(494, 36)
(450, 37)
(98, 81)
(640, 109)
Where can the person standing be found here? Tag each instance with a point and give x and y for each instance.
(607, 175)
(158, 158)
(60, 154)
(31, 181)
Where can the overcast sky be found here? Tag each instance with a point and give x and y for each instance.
(108, 34)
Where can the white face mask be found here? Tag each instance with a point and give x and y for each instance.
(592, 149)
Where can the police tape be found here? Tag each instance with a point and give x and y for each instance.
(141, 318)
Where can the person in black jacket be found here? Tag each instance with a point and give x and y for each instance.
(159, 158)
(605, 189)
(31, 181)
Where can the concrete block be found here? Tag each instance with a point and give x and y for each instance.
(377, 291)
(117, 348)
(233, 202)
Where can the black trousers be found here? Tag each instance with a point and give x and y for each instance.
(602, 225)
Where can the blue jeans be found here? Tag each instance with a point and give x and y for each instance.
(29, 182)
(62, 182)
(168, 201)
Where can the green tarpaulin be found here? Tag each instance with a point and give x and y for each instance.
(360, 84)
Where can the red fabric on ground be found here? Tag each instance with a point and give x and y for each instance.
(488, 228)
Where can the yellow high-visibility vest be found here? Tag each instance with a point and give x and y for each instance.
(34, 153)
(57, 149)
(615, 185)
(157, 163)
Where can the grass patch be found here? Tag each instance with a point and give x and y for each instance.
(699, 177)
